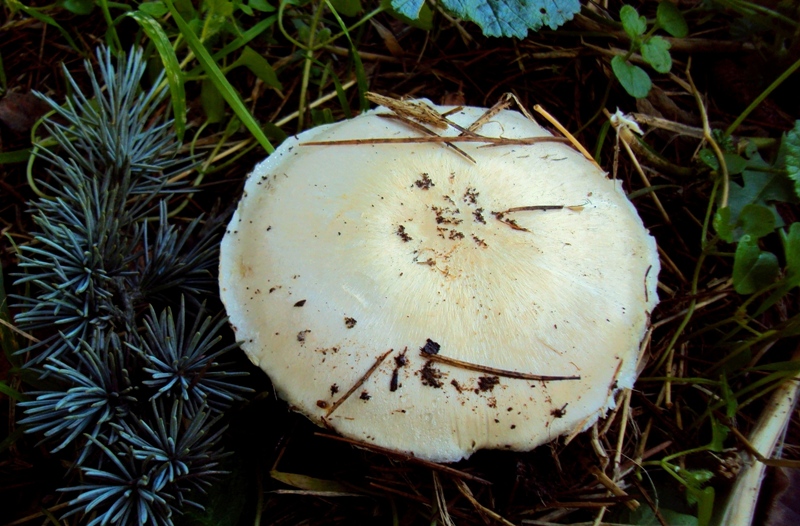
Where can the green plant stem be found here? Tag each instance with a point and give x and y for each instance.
(358, 66)
(695, 279)
(752, 9)
(115, 43)
(723, 201)
(764, 94)
(346, 30)
(309, 57)
(230, 95)
(286, 35)
(679, 380)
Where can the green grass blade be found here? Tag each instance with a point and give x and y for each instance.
(11, 438)
(361, 74)
(17, 156)
(7, 338)
(112, 39)
(3, 80)
(11, 392)
(237, 43)
(218, 78)
(41, 17)
(260, 67)
(173, 70)
(340, 94)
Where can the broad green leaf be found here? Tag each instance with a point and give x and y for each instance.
(723, 225)
(172, 69)
(218, 78)
(217, 15)
(423, 20)
(261, 5)
(633, 24)
(791, 247)
(655, 51)
(212, 101)
(762, 185)
(633, 78)
(78, 7)
(719, 433)
(707, 156)
(347, 7)
(246, 9)
(671, 20)
(259, 66)
(790, 147)
(753, 268)
(755, 220)
(507, 18)
(154, 9)
(761, 188)
(695, 478)
(735, 164)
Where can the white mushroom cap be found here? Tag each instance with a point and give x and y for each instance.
(340, 254)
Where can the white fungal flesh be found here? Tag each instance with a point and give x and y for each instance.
(338, 254)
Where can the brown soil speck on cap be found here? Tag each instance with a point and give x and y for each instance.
(300, 303)
(350, 322)
(431, 375)
(430, 347)
(402, 234)
(487, 383)
(424, 182)
(400, 361)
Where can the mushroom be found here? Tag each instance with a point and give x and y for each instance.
(436, 299)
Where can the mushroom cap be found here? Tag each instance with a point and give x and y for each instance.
(346, 266)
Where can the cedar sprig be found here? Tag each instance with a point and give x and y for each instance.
(135, 397)
(172, 262)
(95, 393)
(184, 452)
(111, 133)
(121, 492)
(182, 361)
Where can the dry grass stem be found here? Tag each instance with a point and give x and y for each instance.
(575, 142)
(495, 371)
